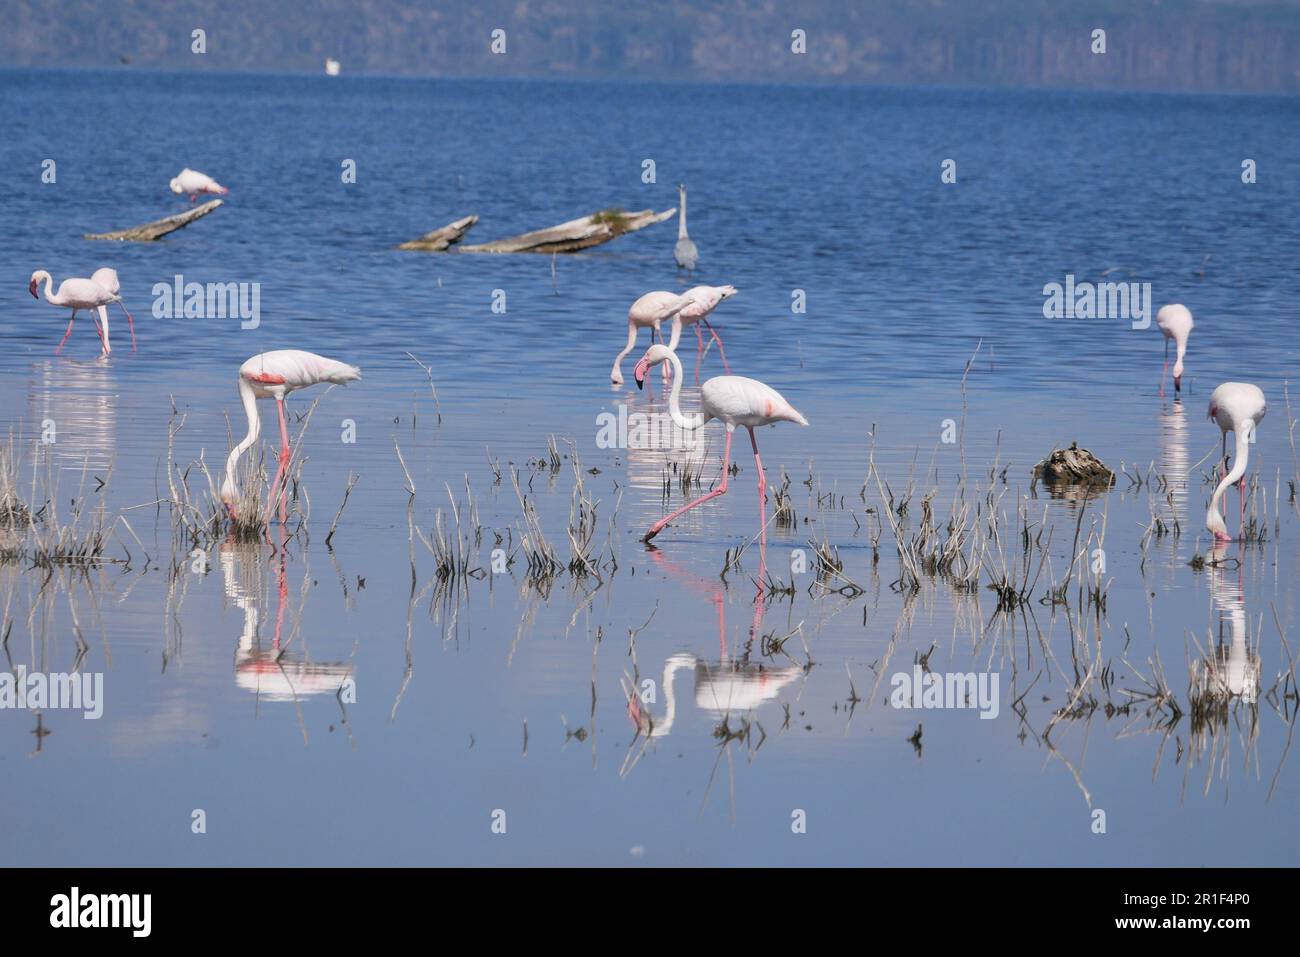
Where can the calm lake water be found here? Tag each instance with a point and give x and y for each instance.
(340, 705)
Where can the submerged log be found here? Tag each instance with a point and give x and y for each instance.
(159, 227)
(576, 234)
(440, 239)
(1074, 466)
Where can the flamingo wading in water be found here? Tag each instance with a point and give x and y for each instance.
(1175, 322)
(107, 277)
(706, 299)
(193, 182)
(684, 252)
(733, 400)
(648, 312)
(76, 294)
(1236, 407)
(273, 375)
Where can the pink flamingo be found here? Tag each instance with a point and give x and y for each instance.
(76, 294)
(193, 182)
(107, 278)
(1236, 407)
(273, 375)
(733, 400)
(706, 299)
(648, 311)
(1175, 321)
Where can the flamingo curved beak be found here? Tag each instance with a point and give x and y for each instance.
(639, 373)
(31, 287)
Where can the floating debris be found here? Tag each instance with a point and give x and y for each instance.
(577, 234)
(159, 227)
(1073, 466)
(442, 237)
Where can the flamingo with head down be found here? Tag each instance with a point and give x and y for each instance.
(107, 277)
(707, 298)
(1236, 407)
(1175, 322)
(647, 313)
(193, 182)
(733, 400)
(273, 375)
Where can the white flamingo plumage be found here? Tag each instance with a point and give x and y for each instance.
(647, 313)
(1236, 407)
(1175, 322)
(107, 277)
(193, 182)
(273, 375)
(733, 400)
(76, 294)
(707, 298)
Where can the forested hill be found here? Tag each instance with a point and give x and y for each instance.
(1205, 45)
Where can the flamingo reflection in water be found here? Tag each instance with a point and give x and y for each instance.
(727, 687)
(1225, 679)
(272, 673)
(1174, 464)
(1232, 668)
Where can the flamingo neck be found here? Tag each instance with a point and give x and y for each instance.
(1178, 358)
(50, 297)
(1240, 457)
(675, 398)
(681, 218)
(671, 667)
(231, 486)
(616, 373)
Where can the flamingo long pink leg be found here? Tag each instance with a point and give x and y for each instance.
(1241, 521)
(657, 527)
(130, 324)
(762, 496)
(699, 352)
(282, 469)
(720, 603)
(726, 368)
(59, 347)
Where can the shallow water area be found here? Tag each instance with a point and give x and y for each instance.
(424, 688)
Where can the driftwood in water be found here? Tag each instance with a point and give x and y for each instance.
(440, 239)
(576, 234)
(1074, 466)
(159, 227)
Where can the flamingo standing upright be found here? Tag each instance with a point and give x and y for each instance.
(733, 400)
(706, 299)
(684, 252)
(193, 182)
(107, 277)
(76, 294)
(273, 375)
(1175, 321)
(1236, 407)
(648, 312)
